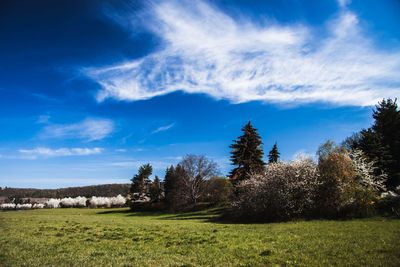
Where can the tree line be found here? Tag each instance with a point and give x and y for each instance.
(355, 178)
(106, 190)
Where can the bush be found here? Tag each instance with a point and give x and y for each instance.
(349, 186)
(389, 202)
(53, 203)
(217, 189)
(7, 206)
(118, 201)
(27, 206)
(38, 206)
(148, 206)
(69, 202)
(286, 190)
(336, 178)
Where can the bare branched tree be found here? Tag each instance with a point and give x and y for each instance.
(197, 169)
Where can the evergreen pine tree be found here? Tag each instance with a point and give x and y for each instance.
(141, 181)
(156, 190)
(169, 184)
(175, 187)
(247, 154)
(387, 127)
(273, 155)
(381, 142)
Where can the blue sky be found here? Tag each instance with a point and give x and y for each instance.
(91, 90)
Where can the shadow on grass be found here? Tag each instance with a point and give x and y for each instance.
(197, 215)
(210, 214)
(129, 212)
(119, 211)
(216, 215)
(207, 215)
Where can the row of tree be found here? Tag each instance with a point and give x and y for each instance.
(106, 190)
(357, 171)
(193, 179)
(381, 142)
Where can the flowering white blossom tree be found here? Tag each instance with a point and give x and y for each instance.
(366, 170)
(69, 202)
(285, 190)
(24, 206)
(108, 202)
(53, 203)
(7, 206)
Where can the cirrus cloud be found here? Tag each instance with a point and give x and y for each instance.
(204, 50)
(48, 152)
(163, 128)
(89, 129)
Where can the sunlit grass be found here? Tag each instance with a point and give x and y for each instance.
(83, 237)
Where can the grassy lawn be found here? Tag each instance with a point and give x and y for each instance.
(86, 237)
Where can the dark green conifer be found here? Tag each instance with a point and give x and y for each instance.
(141, 181)
(169, 184)
(156, 192)
(387, 127)
(247, 154)
(381, 142)
(273, 155)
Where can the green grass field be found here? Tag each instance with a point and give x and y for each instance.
(104, 237)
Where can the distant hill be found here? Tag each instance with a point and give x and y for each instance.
(105, 190)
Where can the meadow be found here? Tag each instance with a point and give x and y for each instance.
(105, 237)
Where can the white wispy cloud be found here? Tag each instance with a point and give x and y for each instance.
(303, 154)
(343, 3)
(120, 150)
(48, 152)
(160, 165)
(89, 129)
(43, 119)
(175, 158)
(163, 128)
(206, 51)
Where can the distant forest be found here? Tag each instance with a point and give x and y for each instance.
(106, 190)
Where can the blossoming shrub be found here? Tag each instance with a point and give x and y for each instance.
(286, 190)
(7, 206)
(27, 206)
(53, 203)
(69, 202)
(98, 202)
(23, 206)
(38, 206)
(118, 201)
